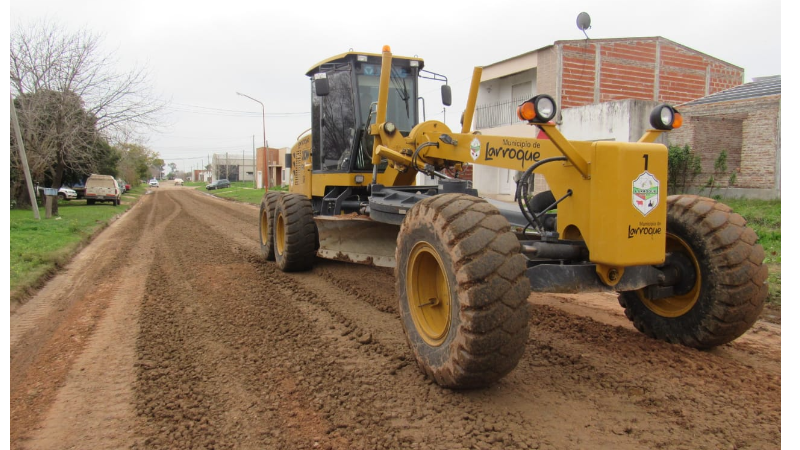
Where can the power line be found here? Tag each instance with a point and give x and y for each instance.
(205, 110)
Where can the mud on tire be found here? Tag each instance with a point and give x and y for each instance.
(294, 233)
(463, 291)
(731, 287)
(265, 224)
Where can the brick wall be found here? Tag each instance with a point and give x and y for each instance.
(644, 69)
(465, 174)
(750, 127)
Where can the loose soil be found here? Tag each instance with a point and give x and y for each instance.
(170, 331)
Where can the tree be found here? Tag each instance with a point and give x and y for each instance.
(64, 85)
(135, 161)
(157, 168)
(61, 139)
(173, 169)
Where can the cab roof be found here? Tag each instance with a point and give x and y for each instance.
(374, 58)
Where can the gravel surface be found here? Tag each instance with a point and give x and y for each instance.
(170, 331)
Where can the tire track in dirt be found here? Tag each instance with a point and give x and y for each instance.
(50, 330)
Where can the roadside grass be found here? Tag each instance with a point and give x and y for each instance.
(242, 191)
(40, 248)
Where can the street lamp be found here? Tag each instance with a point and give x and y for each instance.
(264, 123)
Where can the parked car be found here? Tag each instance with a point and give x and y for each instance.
(153, 183)
(178, 181)
(66, 193)
(121, 184)
(102, 188)
(219, 184)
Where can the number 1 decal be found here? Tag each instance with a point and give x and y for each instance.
(646, 158)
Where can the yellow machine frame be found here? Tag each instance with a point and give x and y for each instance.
(597, 180)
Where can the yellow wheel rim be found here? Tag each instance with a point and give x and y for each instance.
(428, 292)
(264, 228)
(677, 305)
(280, 233)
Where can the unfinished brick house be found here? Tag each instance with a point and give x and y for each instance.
(587, 73)
(744, 121)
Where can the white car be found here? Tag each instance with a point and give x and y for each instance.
(153, 183)
(67, 194)
(178, 181)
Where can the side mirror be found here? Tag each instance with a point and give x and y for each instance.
(447, 95)
(321, 87)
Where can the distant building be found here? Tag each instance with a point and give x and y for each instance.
(249, 167)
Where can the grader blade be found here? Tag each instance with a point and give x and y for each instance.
(357, 239)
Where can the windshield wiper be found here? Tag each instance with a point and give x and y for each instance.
(404, 94)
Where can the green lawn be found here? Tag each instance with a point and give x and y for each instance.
(241, 191)
(40, 247)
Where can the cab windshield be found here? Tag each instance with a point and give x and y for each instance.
(401, 109)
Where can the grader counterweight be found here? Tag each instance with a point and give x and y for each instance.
(687, 269)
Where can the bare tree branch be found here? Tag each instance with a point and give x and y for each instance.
(71, 97)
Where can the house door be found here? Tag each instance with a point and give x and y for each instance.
(505, 180)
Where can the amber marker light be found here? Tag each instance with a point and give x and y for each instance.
(678, 121)
(386, 48)
(526, 111)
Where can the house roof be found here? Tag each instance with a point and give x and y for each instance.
(759, 87)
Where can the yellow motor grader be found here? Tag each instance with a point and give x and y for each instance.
(686, 268)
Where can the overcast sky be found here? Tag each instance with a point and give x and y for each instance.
(201, 53)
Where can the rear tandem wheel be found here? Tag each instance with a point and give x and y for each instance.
(462, 289)
(295, 233)
(266, 224)
(727, 277)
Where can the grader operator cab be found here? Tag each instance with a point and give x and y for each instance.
(686, 268)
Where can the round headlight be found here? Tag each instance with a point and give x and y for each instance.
(545, 108)
(539, 109)
(665, 117)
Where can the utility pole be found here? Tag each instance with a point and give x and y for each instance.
(24, 158)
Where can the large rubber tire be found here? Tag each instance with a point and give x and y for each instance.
(62, 196)
(727, 265)
(541, 201)
(265, 224)
(295, 233)
(463, 291)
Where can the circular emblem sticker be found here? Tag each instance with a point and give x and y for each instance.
(475, 149)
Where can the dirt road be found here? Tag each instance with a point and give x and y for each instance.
(169, 331)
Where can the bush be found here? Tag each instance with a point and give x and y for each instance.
(683, 166)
